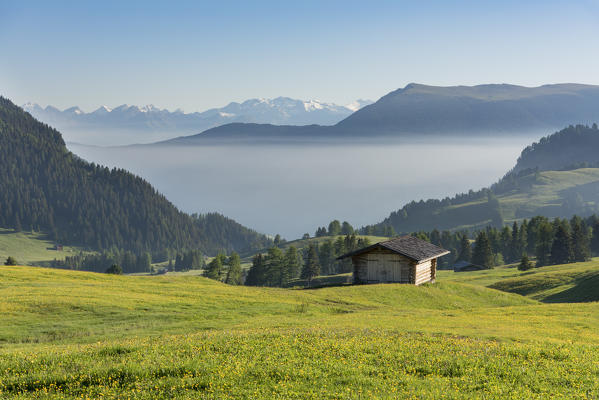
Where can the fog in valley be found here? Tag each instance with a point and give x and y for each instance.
(293, 189)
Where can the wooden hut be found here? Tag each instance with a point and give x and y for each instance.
(405, 259)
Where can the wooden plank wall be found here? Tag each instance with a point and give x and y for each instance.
(423, 272)
(360, 264)
(383, 266)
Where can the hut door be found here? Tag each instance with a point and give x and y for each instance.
(386, 269)
(373, 263)
(397, 272)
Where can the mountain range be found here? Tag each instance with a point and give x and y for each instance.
(418, 110)
(128, 124)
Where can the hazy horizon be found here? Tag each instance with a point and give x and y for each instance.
(294, 189)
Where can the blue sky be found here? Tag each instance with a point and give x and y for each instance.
(196, 55)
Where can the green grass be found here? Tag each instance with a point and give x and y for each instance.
(558, 284)
(30, 248)
(69, 334)
(548, 192)
(569, 283)
(543, 196)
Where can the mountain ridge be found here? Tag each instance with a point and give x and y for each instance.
(418, 110)
(133, 121)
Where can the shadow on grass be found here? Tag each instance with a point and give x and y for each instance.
(585, 289)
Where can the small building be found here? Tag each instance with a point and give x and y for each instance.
(464, 266)
(405, 259)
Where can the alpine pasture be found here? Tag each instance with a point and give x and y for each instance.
(68, 334)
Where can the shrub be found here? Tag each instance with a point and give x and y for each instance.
(115, 269)
(10, 261)
(525, 264)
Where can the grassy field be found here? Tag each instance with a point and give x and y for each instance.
(69, 334)
(30, 248)
(542, 195)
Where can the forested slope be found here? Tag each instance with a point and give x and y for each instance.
(574, 146)
(556, 177)
(47, 188)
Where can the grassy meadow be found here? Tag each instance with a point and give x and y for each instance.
(69, 334)
(542, 195)
(30, 247)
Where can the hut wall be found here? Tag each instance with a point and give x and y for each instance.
(360, 263)
(424, 272)
(379, 266)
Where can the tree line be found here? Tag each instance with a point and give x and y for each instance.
(279, 268)
(128, 261)
(550, 242)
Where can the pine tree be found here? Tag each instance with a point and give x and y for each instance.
(334, 228)
(516, 248)
(215, 267)
(465, 249)
(482, 254)
(292, 263)
(435, 237)
(525, 264)
(274, 267)
(505, 239)
(595, 238)
(327, 257)
(389, 231)
(322, 231)
(523, 237)
(581, 247)
(257, 272)
(561, 249)
(234, 273)
(347, 229)
(311, 265)
(544, 243)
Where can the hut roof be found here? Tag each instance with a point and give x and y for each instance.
(408, 246)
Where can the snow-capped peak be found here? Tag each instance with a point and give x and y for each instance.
(148, 108)
(312, 105)
(356, 105)
(102, 110)
(74, 110)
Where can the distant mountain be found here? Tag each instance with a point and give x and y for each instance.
(49, 189)
(421, 109)
(133, 124)
(418, 110)
(556, 177)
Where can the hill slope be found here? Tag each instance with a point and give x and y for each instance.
(548, 180)
(557, 284)
(573, 146)
(50, 189)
